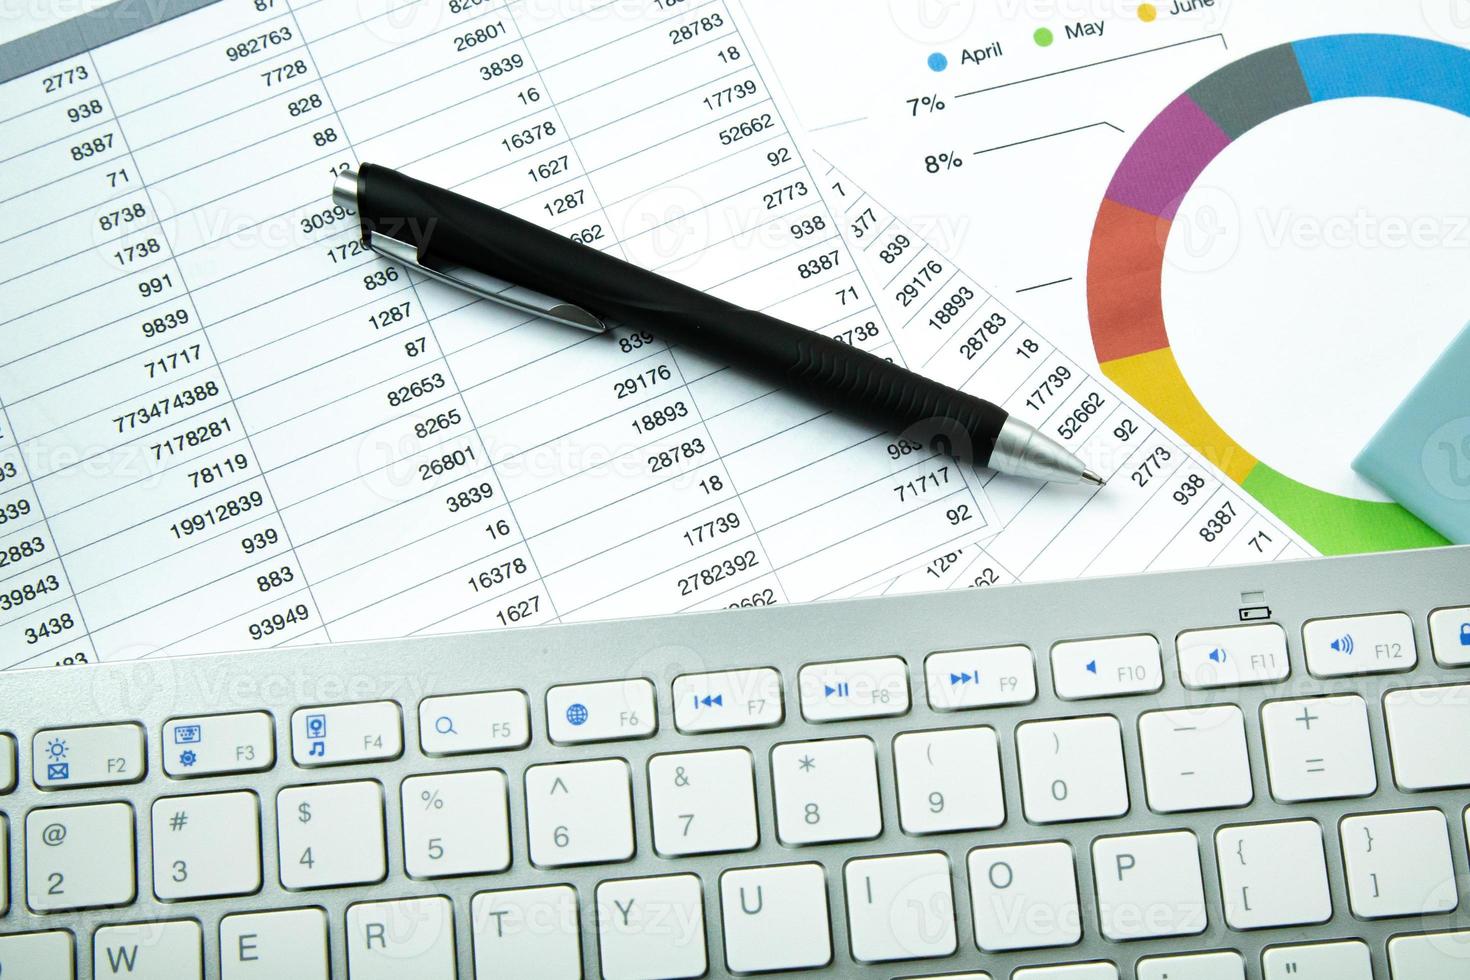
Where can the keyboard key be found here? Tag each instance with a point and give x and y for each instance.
(1072, 769)
(331, 834)
(1075, 971)
(7, 767)
(1352, 645)
(959, 680)
(603, 712)
(216, 744)
(94, 755)
(776, 918)
(1436, 956)
(703, 802)
(4, 867)
(206, 846)
(579, 813)
(1273, 874)
(1319, 749)
(1149, 886)
(1428, 729)
(1348, 960)
(527, 932)
(900, 908)
(456, 823)
(1083, 669)
(1193, 966)
(1024, 896)
(79, 857)
(1195, 759)
(38, 956)
(849, 689)
(408, 938)
(1233, 656)
(651, 928)
(340, 734)
(1398, 864)
(493, 721)
(826, 791)
(271, 945)
(948, 780)
(1449, 629)
(728, 700)
(150, 951)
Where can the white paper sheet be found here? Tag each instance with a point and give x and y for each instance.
(225, 425)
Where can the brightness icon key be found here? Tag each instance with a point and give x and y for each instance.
(846, 689)
(94, 755)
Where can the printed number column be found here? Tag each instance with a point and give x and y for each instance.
(672, 527)
(215, 568)
(108, 386)
(49, 133)
(442, 549)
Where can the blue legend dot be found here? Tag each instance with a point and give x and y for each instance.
(577, 714)
(938, 62)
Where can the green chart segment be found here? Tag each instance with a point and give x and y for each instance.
(1126, 259)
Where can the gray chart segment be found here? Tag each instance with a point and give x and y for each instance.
(1245, 94)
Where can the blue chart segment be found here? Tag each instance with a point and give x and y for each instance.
(1388, 66)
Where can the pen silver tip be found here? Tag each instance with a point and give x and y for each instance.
(1090, 477)
(344, 190)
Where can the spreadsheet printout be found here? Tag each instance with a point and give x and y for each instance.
(224, 424)
(1164, 506)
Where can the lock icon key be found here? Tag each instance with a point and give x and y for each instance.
(1465, 634)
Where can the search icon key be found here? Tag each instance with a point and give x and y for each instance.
(486, 721)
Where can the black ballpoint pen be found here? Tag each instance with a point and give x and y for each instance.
(503, 258)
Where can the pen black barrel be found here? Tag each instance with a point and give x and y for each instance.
(450, 228)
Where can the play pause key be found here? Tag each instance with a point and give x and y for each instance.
(854, 689)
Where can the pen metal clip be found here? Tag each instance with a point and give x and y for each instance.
(508, 294)
(489, 287)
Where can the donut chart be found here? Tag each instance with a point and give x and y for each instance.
(1126, 257)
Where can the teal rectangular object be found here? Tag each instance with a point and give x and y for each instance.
(1421, 456)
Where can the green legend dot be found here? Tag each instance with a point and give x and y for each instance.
(1043, 37)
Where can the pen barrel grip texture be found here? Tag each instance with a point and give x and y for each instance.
(887, 395)
(450, 228)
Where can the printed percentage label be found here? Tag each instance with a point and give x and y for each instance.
(940, 162)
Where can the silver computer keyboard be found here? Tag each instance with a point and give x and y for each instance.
(1235, 773)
